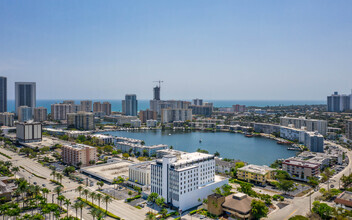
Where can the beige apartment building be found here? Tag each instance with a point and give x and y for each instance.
(81, 120)
(40, 114)
(78, 153)
(300, 169)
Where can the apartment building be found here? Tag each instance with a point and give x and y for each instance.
(7, 119)
(204, 110)
(239, 108)
(86, 106)
(25, 113)
(139, 149)
(292, 134)
(130, 105)
(40, 114)
(158, 105)
(136, 123)
(78, 153)
(104, 107)
(171, 115)
(81, 120)
(300, 169)
(266, 128)
(152, 123)
(60, 111)
(146, 115)
(339, 103)
(25, 94)
(349, 129)
(255, 173)
(184, 180)
(310, 124)
(314, 141)
(28, 132)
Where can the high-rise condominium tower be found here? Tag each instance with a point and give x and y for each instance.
(25, 94)
(3, 94)
(130, 105)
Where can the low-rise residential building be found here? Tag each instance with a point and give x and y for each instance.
(28, 132)
(7, 187)
(78, 154)
(40, 114)
(81, 120)
(300, 169)
(222, 166)
(292, 134)
(152, 123)
(129, 140)
(120, 119)
(266, 128)
(7, 119)
(203, 125)
(139, 174)
(136, 123)
(255, 173)
(103, 139)
(138, 149)
(185, 180)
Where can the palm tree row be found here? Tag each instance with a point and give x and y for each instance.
(57, 175)
(94, 196)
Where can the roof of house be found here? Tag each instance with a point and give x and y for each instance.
(238, 202)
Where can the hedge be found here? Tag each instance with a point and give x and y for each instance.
(56, 182)
(239, 181)
(133, 198)
(101, 209)
(5, 155)
(33, 173)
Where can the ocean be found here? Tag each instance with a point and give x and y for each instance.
(116, 105)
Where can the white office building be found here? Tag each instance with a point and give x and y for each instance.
(139, 174)
(184, 180)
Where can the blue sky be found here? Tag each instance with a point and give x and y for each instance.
(260, 50)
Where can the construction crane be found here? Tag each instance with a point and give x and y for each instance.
(159, 81)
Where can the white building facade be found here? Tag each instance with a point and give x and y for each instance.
(185, 180)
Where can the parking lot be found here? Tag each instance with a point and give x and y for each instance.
(119, 194)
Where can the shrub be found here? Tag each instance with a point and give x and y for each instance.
(133, 198)
(101, 209)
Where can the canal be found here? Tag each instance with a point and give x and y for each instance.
(255, 150)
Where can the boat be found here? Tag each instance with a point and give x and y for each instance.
(200, 140)
(249, 135)
(169, 134)
(284, 142)
(294, 148)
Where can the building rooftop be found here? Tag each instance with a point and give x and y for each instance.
(192, 157)
(78, 146)
(238, 202)
(256, 169)
(301, 163)
(142, 166)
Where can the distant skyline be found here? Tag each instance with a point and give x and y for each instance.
(215, 50)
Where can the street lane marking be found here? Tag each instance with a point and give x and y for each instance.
(291, 214)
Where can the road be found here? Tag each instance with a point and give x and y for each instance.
(117, 207)
(301, 205)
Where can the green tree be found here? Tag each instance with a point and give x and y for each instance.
(100, 184)
(85, 192)
(67, 203)
(217, 154)
(259, 209)
(108, 149)
(152, 197)
(285, 185)
(99, 197)
(79, 189)
(322, 209)
(107, 199)
(68, 170)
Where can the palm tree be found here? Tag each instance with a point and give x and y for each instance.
(53, 173)
(61, 198)
(100, 184)
(58, 190)
(152, 197)
(93, 196)
(67, 203)
(81, 206)
(107, 199)
(86, 193)
(76, 207)
(79, 189)
(15, 170)
(99, 197)
(93, 213)
(160, 201)
(45, 192)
